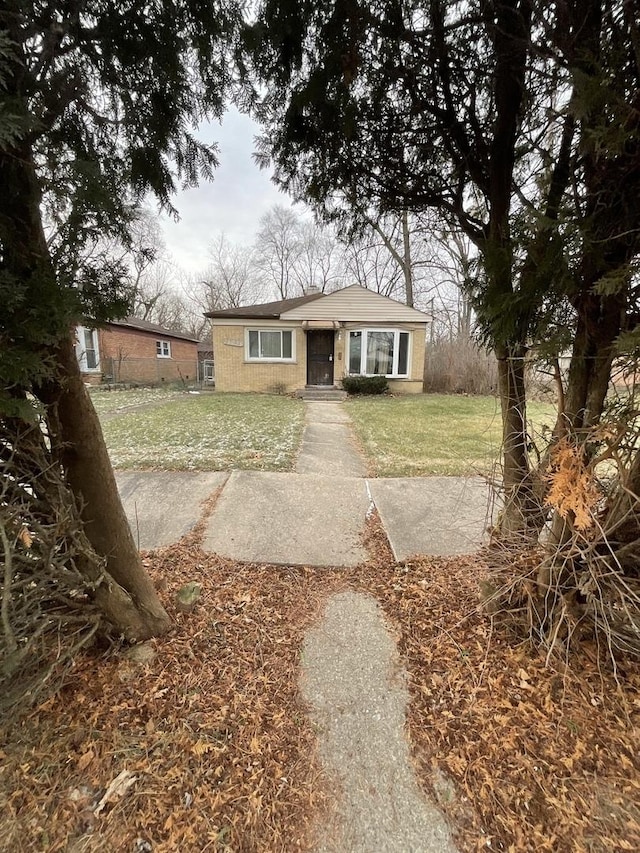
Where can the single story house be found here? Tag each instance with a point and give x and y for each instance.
(316, 340)
(134, 350)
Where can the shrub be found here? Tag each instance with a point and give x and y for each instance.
(459, 366)
(365, 384)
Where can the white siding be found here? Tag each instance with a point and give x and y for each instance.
(356, 304)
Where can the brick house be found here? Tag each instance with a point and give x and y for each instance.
(316, 340)
(134, 350)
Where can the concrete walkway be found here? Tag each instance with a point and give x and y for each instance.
(353, 681)
(314, 516)
(164, 505)
(291, 519)
(351, 674)
(328, 446)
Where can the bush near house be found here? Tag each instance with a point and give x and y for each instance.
(459, 366)
(365, 384)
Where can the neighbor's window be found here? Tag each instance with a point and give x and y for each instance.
(378, 352)
(90, 349)
(163, 349)
(271, 344)
(87, 349)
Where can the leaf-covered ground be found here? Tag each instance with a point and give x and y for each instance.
(208, 745)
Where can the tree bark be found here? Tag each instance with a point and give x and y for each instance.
(519, 515)
(407, 267)
(84, 458)
(26, 261)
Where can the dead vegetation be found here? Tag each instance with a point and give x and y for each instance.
(208, 726)
(582, 581)
(47, 561)
(199, 740)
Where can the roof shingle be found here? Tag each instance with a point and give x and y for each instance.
(271, 310)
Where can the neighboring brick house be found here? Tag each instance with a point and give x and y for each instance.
(316, 340)
(134, 350)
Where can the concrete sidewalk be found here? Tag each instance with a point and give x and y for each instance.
(162, 506)
(314, 516)
(353, 680)
(328, 446)
(290, 519)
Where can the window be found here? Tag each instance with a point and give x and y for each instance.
(90, 349)
(270, 345)
(87, 351)
(379, 352)
(163, 349)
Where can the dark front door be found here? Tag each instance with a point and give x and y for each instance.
(320, 357)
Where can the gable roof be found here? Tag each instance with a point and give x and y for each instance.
(357, 304)
(267, 310)
(146, 326)
(354, 303)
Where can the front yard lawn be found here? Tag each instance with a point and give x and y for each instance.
(119, 400)
(209, 432)
(433, 433)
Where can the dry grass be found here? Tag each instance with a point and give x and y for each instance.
(208, 432)
(434, 433)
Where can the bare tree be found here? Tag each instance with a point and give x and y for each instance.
(368, 263)
(231, 279)
(318, 259)
(152, 291)
(277, 250)
(389, 256)
(146, 246)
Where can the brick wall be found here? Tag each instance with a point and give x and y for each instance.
(129, 355)
(234, 373)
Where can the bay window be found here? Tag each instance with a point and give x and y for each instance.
(379, 352)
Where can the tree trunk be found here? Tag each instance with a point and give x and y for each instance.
(407, 267)
(84, 458)
(26, 261)
(520, 512)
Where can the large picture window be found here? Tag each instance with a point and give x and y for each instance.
(379, 352)
(270, 345)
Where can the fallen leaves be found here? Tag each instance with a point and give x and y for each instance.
(207, 745)
(116, 789)
(536, 765)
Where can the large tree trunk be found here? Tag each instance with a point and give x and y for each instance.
(25, 260)
(84, 458)
(519, 516)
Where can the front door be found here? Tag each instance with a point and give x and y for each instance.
(320, 357)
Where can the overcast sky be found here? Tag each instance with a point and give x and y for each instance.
(232, 204)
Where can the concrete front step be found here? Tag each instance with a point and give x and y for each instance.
(318, 393)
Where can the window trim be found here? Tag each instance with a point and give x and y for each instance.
(161, 344)
(273, 359)
(364, 332)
